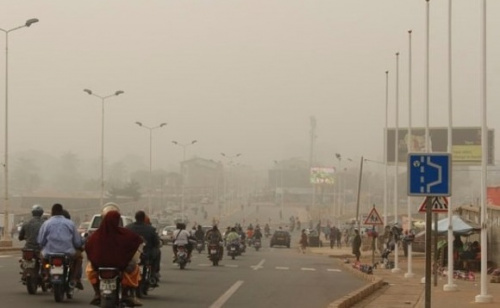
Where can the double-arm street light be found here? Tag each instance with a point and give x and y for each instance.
(103, 99)
(184, 146)
(6, 229)
(150, 160)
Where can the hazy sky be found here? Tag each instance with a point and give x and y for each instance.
(238, 76)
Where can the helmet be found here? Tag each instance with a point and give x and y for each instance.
(110, 206)
(37, 210)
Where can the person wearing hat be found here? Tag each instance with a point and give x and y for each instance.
(356, 244)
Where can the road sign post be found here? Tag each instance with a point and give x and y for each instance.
(373, 219)
(429, 175)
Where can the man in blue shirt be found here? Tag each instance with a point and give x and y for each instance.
(60, 235)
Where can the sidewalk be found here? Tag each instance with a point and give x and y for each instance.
(388, 289)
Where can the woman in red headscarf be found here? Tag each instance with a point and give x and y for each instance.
(113, 246)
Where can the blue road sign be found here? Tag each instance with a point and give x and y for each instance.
(429, 174)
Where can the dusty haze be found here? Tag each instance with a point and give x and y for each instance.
(238, 76)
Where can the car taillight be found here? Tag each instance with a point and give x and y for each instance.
(57, 261)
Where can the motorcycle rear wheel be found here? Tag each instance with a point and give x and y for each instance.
(108, 302)
(58, 292)
(31, 282)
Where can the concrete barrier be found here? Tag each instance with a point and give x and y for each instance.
(358, 295)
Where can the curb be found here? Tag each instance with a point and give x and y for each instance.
(358, 295)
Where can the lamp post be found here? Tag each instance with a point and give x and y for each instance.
(230, 159)
(184, 146)
(6, 229)
(103, 99)
(150, 160)
(396, 269)
(282, 190)
(339, 210)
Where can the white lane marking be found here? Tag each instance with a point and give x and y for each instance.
(204, 264)
(5, 256)
(224, 297)
(333, 270)
(230, 265)
(258, 266)
(308, 269)
(284, 268)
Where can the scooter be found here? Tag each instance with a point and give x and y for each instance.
(182, 257)
(257, 244)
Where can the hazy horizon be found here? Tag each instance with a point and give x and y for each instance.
(237, 76)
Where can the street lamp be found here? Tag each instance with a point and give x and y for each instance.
(230, 159)
(103, 98)
(281, 188)
(339, 207)
(6, 229)
(184, 146)
(150, 160)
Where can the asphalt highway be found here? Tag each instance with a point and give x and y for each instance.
(270, 277)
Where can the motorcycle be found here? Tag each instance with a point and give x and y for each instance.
(200, 245)
(257, 244)
(148, 279)
(31, 274)
(110, 285)
(233, 249)
(242, 248)
(214, 254)
(182, 256)
(59, 273)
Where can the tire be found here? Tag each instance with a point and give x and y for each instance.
(182, 265)
(58, 290)
(214, 262)
(108, 302)
(232, 257)
(31, 281)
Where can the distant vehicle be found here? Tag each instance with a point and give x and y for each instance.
(280, 238)
(167, 234)
(95, 222)
(83, 227)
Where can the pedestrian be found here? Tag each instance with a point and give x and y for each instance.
(333, 236)
(303, 241)
(356, 245)
(339, 237)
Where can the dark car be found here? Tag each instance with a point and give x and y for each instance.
(280, 238)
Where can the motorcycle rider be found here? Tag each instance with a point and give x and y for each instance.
(267, 230)
(114, 246)
(182, 238)
(29, 230)
(232, 236)
(59, 235)
(150, 237)
(257, 234)
(215, 237)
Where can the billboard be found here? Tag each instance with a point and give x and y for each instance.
(322, 175)
(466, 144)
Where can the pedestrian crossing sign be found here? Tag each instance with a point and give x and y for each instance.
(438, 204)
(373, 218)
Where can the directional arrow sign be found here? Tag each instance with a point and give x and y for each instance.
(438, 204)
(373, 218)
(429, 174)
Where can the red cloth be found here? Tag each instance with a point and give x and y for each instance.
(111, 245)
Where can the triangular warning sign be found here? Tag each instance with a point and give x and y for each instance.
(373, 218)
(438, 204)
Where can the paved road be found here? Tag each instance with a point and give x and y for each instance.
(271, 277)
